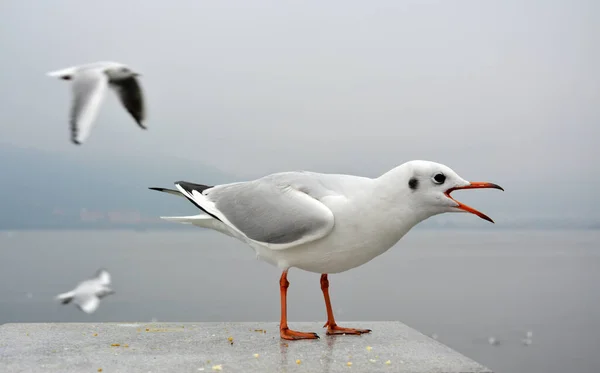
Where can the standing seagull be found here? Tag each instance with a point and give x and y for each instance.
(89, 89)
(88, 293)
(325, 223)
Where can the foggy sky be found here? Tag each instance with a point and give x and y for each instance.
(502, 91)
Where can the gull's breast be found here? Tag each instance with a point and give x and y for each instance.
(354, 241)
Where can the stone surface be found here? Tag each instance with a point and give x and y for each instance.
(196, 347)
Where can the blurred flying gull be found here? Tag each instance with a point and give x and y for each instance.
(528, 340)
(89, 89)
(88, 293)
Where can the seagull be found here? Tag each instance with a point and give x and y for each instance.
(88, 293)
(528, 340)
(89, 89)
(493, 341)
(324, 223)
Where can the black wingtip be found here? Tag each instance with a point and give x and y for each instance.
(167, 190)
(189, 187)
(185, 185)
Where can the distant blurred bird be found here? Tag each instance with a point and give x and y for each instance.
(493, 341)
(89, 89)
(528, 340)
(88, 293)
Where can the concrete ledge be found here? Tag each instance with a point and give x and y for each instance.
(195, 347)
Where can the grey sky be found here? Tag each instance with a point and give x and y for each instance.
(505, 91)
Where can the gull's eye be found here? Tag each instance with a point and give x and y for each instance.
(439, 178)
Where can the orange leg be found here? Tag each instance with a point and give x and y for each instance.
(332, 328)
(284, 331)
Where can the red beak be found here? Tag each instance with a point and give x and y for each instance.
(473, 185)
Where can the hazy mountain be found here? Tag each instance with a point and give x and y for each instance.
(52, 190)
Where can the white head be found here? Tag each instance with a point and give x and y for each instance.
(428, 186)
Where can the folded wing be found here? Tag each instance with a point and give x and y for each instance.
(273, 214)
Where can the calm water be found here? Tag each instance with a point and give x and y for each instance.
(463, 286)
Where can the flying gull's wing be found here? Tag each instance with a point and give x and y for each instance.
(89, 89)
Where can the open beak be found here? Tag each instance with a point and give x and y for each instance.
(473, 185)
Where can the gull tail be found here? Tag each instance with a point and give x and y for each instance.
(65, 74)
(201, 220)
(66, 298)
(195, 219)
(198, 220)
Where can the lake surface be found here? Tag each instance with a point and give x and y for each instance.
(464, 286)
